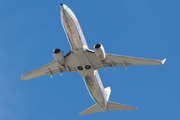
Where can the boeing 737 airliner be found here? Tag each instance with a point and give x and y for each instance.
(86, 62)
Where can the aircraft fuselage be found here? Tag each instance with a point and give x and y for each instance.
(79, 48)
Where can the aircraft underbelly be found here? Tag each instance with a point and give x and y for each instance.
(95, 91)
(83, 65)
(71, 31)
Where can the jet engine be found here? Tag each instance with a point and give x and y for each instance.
(58, 56)
(99, 51)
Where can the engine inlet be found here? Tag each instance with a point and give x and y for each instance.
(97, 46)
(57, 50)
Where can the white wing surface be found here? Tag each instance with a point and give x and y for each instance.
(118, 60)
(52, 68)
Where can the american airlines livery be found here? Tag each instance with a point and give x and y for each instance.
(86, 62)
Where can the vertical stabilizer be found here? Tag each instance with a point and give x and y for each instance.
(108, 92)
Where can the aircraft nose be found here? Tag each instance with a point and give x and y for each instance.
(63, 6)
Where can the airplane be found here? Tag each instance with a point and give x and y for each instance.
(86, 62)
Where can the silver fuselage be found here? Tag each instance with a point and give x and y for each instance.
(81, 59)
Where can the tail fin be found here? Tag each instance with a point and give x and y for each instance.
(117, 106)
(93, 109)
(108, 92)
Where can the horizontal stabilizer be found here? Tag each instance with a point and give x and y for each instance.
(117, 106)
(110, 106)
(93, 109)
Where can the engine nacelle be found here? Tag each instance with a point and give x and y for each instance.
(58, 56)
(99, 51)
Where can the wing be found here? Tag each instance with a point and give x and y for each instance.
(52, 68)
(118, 60)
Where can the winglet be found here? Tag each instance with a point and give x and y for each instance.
(163, 61)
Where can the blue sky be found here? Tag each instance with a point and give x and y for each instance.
(31, 29)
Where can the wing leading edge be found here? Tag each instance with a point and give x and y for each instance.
(52, 68)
